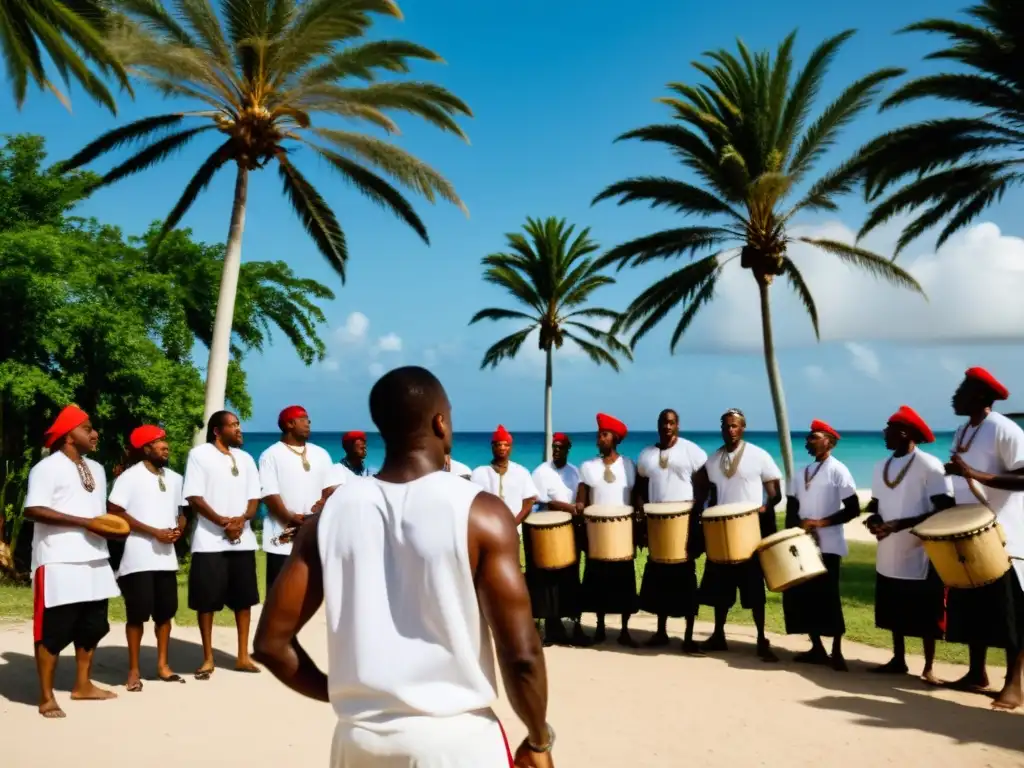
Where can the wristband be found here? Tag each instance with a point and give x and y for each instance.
(547, 747)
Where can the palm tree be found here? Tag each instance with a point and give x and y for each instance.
(261, 75)
(956, 167)
(70, 33)
(748, 138)
(551, 274)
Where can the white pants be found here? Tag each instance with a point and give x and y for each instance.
(473, 740)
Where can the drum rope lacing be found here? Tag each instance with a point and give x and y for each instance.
(899, 477)
(728, 465)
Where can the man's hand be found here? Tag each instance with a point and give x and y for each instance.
(957, 467)
(810, 525)
(298, 520)
(166, 535)
(234, 528)
(527, 758)
(317, 508)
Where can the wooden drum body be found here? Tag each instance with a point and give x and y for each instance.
(668, 530)
(788, 558)
(966, 545)
(609, 532)
(731, 532)
(112, 524)
(552, 539)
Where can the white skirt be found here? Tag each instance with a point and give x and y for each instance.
(472, 740)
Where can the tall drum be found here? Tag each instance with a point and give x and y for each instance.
(609, 532)
(731, 532)
(551, 538)
(668, 530)
(966, 545)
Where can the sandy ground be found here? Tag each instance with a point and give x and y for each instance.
(610, 707)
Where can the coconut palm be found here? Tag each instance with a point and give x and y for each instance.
(748, 138)
(955, 167)
(262, 69)
(69, 32)
(549, 272)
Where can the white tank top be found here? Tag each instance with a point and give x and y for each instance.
(406, 638)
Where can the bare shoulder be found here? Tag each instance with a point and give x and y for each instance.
(490, 523)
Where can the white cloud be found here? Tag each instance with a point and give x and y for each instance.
(355, 328)
(392, 342)
(864, 360)
(376, 370)
(815, 373)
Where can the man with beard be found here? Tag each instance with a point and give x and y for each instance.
(509, 481)
(352, 464)
(555, 594)
(148, 496)
(293, 475)
(665, 473)
(738, 472)
(990, 447)
(222, 485)
(71, 575)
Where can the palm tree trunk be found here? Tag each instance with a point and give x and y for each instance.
(548, 426)
(220, 347)
(775, 383)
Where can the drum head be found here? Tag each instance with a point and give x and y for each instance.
(775, 538)
(608, 510)
(729, 510)
(958, 520)
(548, 517)
(655, 509)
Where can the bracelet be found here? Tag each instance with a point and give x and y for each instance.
(547, 748)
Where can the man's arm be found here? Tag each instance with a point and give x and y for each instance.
(200, 507)
(773, 495)
(168, 536)
(850, 511)
(527, 508)
(792, 512)
(505, 602)
(53, 517)
(1008, 481)
(277, 509)
(296, 595)
(641, 491)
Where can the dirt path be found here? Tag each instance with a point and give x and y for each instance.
(610, 708)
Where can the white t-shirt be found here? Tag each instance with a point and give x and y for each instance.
(516, 485)
(137, 492)
(756, 468)
(459, 469)
(675, 482)
(997, 448)
(556, 483)
(823, 497)
(337, 475)
(208, 474)
(282, 474)
(617, 492)
(900, 555)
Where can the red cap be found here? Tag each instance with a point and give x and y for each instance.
(289, 413)
(501, 435)
(69, 418)
(606, 423)
(984, 377)
(561, 437)
(145, 435)
(352, 436)
(821, 426)
(908, 416)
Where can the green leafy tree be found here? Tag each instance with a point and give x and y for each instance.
(748, 138)
(954, 168)
(550, 275)
(263, 69)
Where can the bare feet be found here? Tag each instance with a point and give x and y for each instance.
(205, 672)
(51, 710)
(971, 683)
(134, 684)
(928, 676)
(657, 641)
(765, 652)
(817, 656)
(247, 665)
(891, 667)
(715, 643)
(690, 648)
(92, 693)
(839, 663)
(1009, 698)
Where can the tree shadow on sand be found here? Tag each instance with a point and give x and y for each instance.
(19, 684)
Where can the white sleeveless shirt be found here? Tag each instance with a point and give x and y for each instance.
(406, 638)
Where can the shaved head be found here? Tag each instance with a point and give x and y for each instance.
(409, 404)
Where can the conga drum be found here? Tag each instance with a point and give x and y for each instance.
(731, 532)
(551, 538)
(788, 558)
(668, 530)
(966, 545)
(609, 532)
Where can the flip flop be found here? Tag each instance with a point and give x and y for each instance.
(203, 674)
(135, 687)
(249, 670)
(173, 679)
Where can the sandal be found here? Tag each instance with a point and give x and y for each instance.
(135, 687)
(203, 674)
(173, 678)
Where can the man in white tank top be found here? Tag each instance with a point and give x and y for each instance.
(416, 567)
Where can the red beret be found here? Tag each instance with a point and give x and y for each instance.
(289, 413)
(561, 437)
(69, 418)
(909, 417)
(984, 377)
(501, 435)
(606, 423)
(145, 435)
(820, 426)
(352, 436)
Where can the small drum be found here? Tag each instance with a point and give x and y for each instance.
(551, 539)
(112, 524)
(668, 530)
(788, 558)
(609, 532)
(966, 545)
(731, 532)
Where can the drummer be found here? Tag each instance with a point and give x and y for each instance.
(509, 481)
(609, 587)
(989, 448)
(555, 594)
(821, 500)
(738, 472)
(664, 473)
(906, 489)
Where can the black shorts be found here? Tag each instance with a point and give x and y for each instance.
(721, 582)
(149, 595)
(911, 607)
(669, 589)
(222, 579)
(992, 615)
(275, 563)
(816, 607)
(83, 624)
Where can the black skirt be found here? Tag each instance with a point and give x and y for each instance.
(721, 582)
(992, 615)
(815, 607)
(669, 589)
(609, 587)
(911, 607)
(554, 594)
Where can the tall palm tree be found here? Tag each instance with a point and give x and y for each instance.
(70, 33)
(550, 273)
(261, 75)
(955, 167)
(748, 138)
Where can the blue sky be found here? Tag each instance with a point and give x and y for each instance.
(551, 85)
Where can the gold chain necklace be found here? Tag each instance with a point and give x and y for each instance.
(730, 466)
(899, 477)
(234, 465)
(810, 479)
(962, 447)
(609, 474)
(301, 454)
(85, 476)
